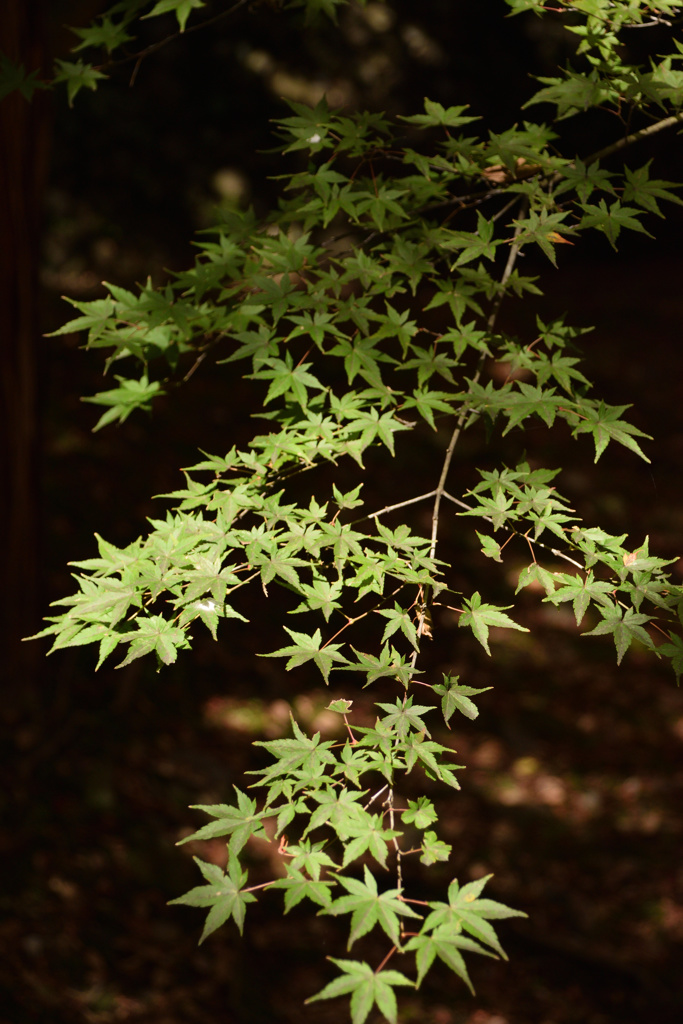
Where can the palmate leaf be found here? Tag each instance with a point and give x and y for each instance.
(300, 754)
(132, 394)
(456, 697)
(434, 849)
(625, 625)
(446, 943)
(389, 664)
(605, 424)
(479, 617)
(420, 813)
(611, 221)
(223, 894)
(286, 378)
(404, 716)
(309, 648)
(673, 649)
(579, 590)
(340, 808)
(309, 857)
(366, 833)
(536, 574)
(239, 822)
(107, 33)
(13, 77)
(416, 748)
(366, 988)
(465, 910)
(181, 8)
(77, 75)
(297, 887)
(368, 907)
(155, 633)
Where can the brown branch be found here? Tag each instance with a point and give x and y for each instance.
(141, 54)
(490, 324)
(628, 140)
(553, 551)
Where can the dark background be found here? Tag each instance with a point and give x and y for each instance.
(573, 788)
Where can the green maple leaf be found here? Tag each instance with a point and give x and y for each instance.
(465, 910)
(535, 573)
(456, 697)
(528, 401)
(446, 943)
(579, 591)
(300, 754)
(96, 316)
(310, 858)
(645, 191)
(368, 908)
(285, 377)
(366, 988)
(77, 76)
(480, 616)
(155, 634)
(181, 8)
(322, 595)
(417, 748)
(239, 822)
(13, 77)
(132, 394)
(605, 424)
(434, 849)
(420, 813)
(399, 619)
(612, 220)
(625, 625)
(107, 34)
(367, 832)
(674, 650)
(338, 808)
(390, 663)
(436, 115)
(297, 887)
(309, 648)
(223, 894)
(404, 716)
(490, 547)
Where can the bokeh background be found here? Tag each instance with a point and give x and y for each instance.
(572, 793)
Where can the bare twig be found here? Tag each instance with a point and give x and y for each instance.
(511, 530)
(628, 140)
(490, 324)
(375, 795)
(141, 54)
(400, 504)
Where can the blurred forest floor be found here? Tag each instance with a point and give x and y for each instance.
(573, 792)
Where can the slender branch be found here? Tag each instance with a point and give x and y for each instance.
(400, 504)
(652, 23)
(628, 140)
(490, 324)
(141, 54)
(357, 618)
(195, 366)
(389, 804)
(375, 795)
(263, 885)
(386, 959)
(440, 490)
(511, 529)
